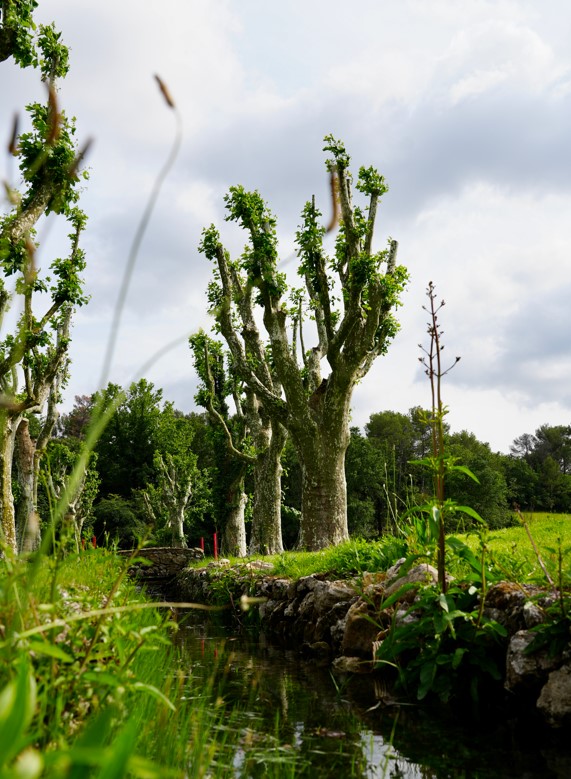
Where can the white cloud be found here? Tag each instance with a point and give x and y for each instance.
(497, 52)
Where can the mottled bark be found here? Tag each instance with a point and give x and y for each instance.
(176, 488)
(324, 497)
(177, 529)
(8, 427)
(266, 536)
(27, 520)
(234, 534)
(269, 438)
(321, 444)
(40, 447)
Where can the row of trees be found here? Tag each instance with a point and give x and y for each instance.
(276, 374)
(132, 484)
(284, 384)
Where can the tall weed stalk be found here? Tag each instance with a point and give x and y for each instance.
(443, 644)
(440, 463)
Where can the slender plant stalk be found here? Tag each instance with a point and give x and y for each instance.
(534, 545)
(435, 373)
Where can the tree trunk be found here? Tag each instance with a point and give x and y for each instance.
(234, 538)
(177, 528)
(266, 535)
(321, 449)
(8, 427)
(324, 498)
(27, 520)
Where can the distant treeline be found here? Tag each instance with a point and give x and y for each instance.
(121, 497)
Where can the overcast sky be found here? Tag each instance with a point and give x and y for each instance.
(464, 107)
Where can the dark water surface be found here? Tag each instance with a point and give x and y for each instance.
(286, 716)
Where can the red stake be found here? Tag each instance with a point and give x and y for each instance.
(216, 546)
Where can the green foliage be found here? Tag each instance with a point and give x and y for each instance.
(370, 182)
(250, 211)
(89, 676)
(539, 469)
(337, 148)
(488, 495)
(367, 512)
(56, 467)
(208, 360)
(29, 45)
(117, 521)
(47, 158)
(553, 635)
(347, 559)
(127, 445)
(443, 646)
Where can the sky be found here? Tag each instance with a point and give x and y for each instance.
(465, 108)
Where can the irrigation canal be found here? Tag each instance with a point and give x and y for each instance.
(287, 716)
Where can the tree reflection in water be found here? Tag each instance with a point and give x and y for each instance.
(282, 716)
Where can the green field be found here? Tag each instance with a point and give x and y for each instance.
(512, 549)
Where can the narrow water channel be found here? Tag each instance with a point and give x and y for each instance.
(284, 716)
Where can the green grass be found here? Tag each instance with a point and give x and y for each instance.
(349, 558)
(91, 684)
(510, 549)
(89, 673)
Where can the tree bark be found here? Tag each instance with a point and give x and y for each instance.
(177, 527)
(324, 498)
(27, 520)
(8, 427)
(266, 537)
(234, 536)
(321, 450)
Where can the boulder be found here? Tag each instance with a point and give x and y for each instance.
(354, 665)
(554, 702)
(420, 574)
(360, 631)
(526, 673)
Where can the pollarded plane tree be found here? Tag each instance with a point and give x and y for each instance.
(232, 456)
(257, 440)
(177, 476)
(353, 328)
(33, 356)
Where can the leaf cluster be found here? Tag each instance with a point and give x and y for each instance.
(442, 646)
(31, 46)
(48, 156)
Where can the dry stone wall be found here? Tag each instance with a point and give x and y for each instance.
(343, 620)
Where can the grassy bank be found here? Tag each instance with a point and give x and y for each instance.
(509, 550)
(90, 683)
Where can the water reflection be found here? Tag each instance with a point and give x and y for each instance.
(282, 716)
